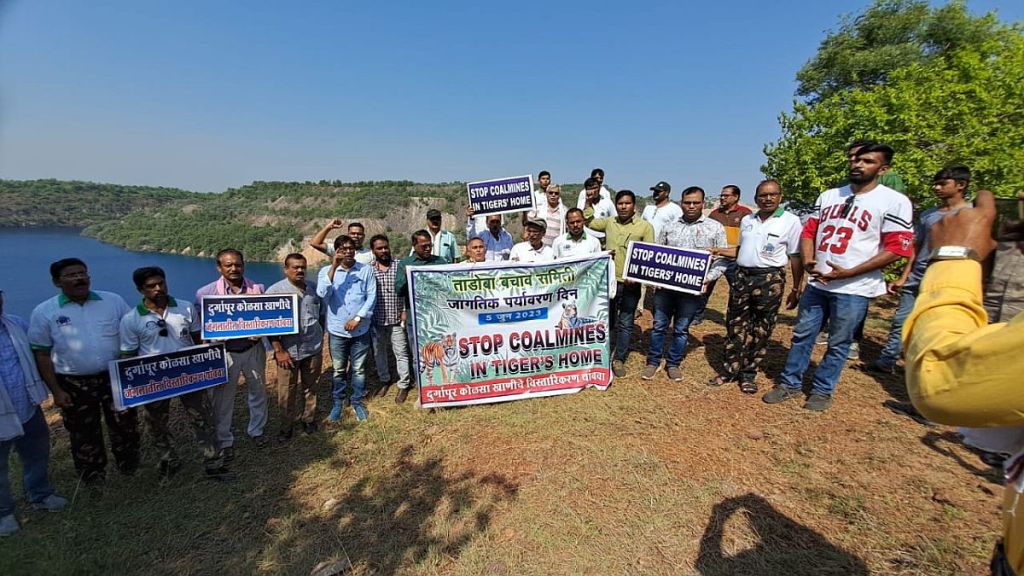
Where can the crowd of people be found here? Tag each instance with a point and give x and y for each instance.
(361, 300)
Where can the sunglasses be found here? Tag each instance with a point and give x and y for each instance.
(163, 326)
(848, 205)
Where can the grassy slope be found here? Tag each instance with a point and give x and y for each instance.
(646, 478)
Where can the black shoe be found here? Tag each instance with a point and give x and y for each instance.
(283, 436)
(748, 386)
(876, 368)
(383, 391)
(310, 427)
(221, 474)
(261, 441)
(907, 409)
(228, 454)
(402, 395)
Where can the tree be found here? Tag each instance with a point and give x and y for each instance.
(957, 99)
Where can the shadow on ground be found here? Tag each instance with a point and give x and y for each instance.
(935, 440)
(783, 546)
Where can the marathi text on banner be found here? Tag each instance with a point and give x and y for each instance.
(249, 315)
(501, 196)
(504, 331)
(667, 267)
(143, 379)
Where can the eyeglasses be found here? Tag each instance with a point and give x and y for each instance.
(163, 326)
(848, 205)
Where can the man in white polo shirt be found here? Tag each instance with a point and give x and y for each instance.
(575, 242)
(533, 249)
(74, 335)
(769, 239)
(160, 324)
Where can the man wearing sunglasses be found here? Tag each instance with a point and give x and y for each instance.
(160, 324)
(855, 231)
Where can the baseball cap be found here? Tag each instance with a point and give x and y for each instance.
(661, 187)
(433, 213)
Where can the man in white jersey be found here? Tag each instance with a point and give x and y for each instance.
(854, 232)
(662, 210)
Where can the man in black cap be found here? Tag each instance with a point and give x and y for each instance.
(443, 242)
(662, 210)
(533, 249)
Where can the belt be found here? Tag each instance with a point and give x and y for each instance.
(765, 270)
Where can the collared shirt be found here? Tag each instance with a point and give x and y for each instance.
(140, 329)
(554, 218)
(768, 243)
(352, 293)
(525, 252)
(310, 339)
(498, 248)
(701, 234)
(619, 234)
(81, 338)
(12, 375)
(565, 246)
(731, 221)
(388, 310)
(401, 286)
(659, 216)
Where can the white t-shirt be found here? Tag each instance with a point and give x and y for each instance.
(768, 244)
(524, 252)
(658, 216)
(581, 201)
(881, 219)
(140, 329)
(602, 209)
(565, 246)
(81, 338)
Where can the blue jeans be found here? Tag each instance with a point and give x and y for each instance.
(846, 311)
(344, 348)
(894, 345)
(622, 313)
(34, 451)
(669, 305)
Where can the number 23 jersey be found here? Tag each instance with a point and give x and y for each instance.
(875, 221)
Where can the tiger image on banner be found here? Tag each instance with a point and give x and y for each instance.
(439, 354)
(497, 331)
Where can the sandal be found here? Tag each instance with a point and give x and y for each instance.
(748, 387)
(717, 381)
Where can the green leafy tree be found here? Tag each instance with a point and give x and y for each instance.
(959, 100)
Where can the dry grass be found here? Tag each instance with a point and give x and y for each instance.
(646, 478)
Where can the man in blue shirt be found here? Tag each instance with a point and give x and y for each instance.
(349, 291)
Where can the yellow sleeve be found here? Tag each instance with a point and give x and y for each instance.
(599, 224)
(961, 371)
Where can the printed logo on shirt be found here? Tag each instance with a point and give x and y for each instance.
(63, 321)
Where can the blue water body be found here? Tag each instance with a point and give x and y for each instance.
(26, 254)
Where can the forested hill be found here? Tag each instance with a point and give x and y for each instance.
(266, 220)
(73, 204)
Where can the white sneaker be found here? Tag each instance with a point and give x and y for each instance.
(53, 503)
(8, 525)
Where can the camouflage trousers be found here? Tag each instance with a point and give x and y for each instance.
(199, 413)
(296, 390)
(91, 403)
(754, 300)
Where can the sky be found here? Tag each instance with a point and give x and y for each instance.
(208, 96)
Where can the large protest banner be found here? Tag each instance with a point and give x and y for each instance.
(249, 315)
(143, 379)
(667, 267)
(501, 196)
(493, 332)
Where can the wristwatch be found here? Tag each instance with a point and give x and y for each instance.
(953, 253)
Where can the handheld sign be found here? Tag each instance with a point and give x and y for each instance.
(501, 196)
(667, 267)
(249, 315)
(144, 379)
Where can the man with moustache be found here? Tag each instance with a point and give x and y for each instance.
(349, 292)
(246, 357)
(160, 324)
(356, 231)
(619, 231)
(387, 331)
(769, 240)
(22, 423)
(496, 239)
(533, 249)
(74, 336)
(692, 231)
(729, 214)
(575, 242)
(299, 357)
(597, 175)
(855, 231)
(602, 207)
(476, 251)
(552, 212)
